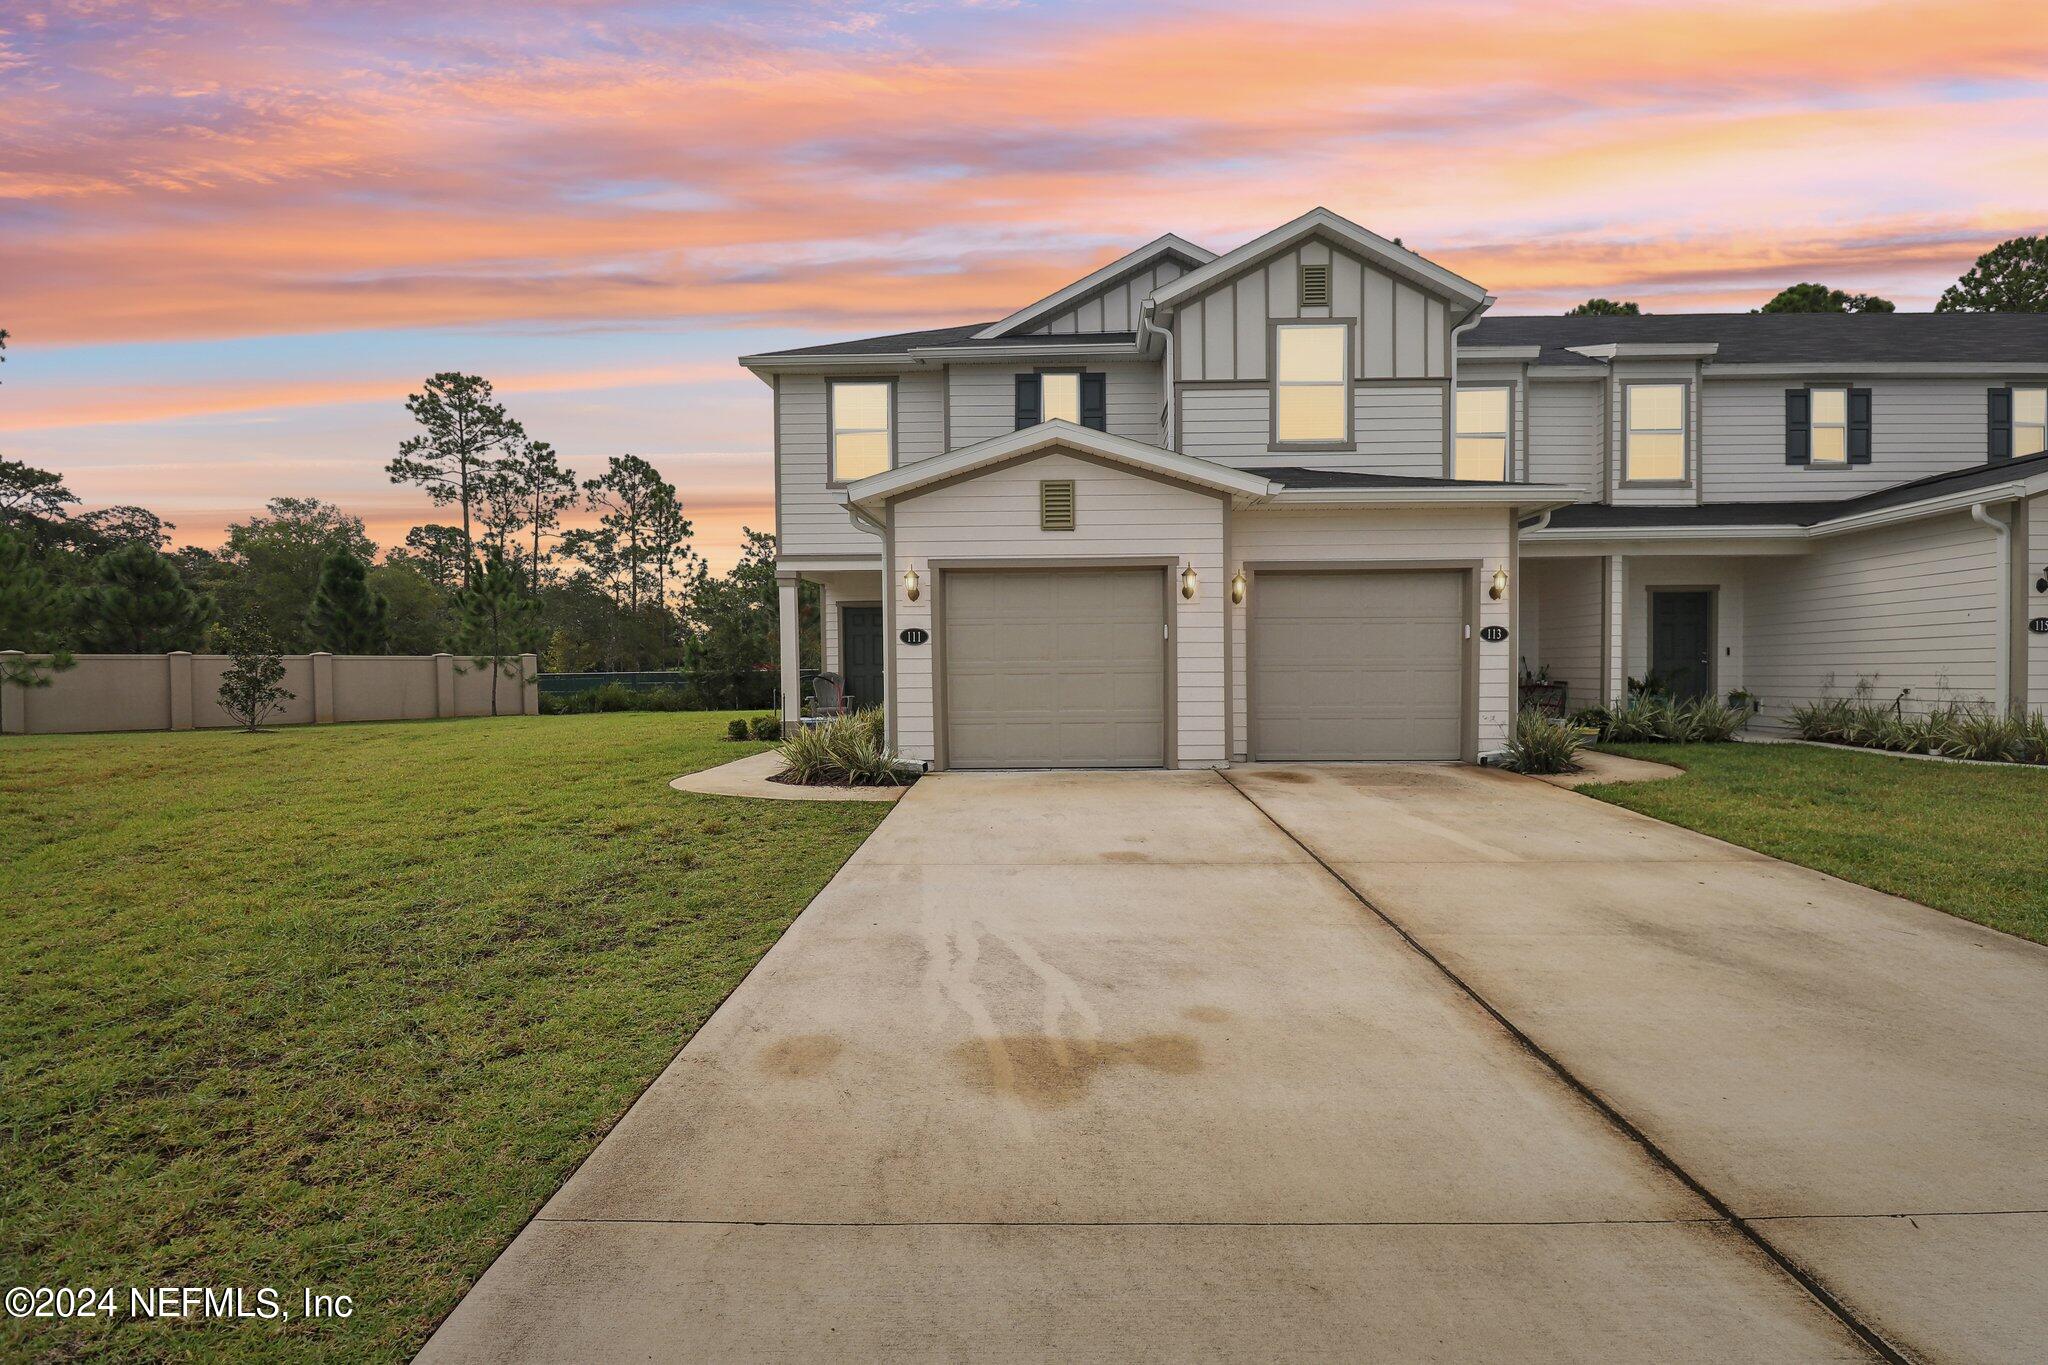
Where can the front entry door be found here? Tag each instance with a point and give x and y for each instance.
(1682, 642)
(860, 653)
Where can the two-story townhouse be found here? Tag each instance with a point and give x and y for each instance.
(1304, 500)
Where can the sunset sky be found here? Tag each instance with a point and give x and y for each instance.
(237, 234)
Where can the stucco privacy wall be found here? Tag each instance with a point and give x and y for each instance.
(181, 692)
(1118, 515)
(1451, 536)
(1908, 606)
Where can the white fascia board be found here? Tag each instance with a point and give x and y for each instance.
(809, 564)
(1934, 369)
(1568, 371)
(1588, 534)
(1960, 501)
(878, 360)
(1398, 259)
(1485, 353)
(878, 489)
(1540, 545)
(1167, 245)
(1649, 350)
(1023, 350)
(923, 357)
(1531, 498)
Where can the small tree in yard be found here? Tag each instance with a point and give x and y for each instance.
(497, 625)
(250, 689)
(346, 616)
(31, 615)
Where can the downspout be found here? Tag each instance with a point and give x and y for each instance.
(1470, 321)
(1147, 326)
(1981, 514)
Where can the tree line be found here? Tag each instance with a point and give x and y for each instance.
(500, 574)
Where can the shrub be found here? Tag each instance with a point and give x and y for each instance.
(614, 696)
(1542, 744)
(736, 728)
(846, 749)
(1651, 718)
(1952, 730)
(766, 727)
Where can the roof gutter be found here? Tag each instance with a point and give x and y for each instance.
(1147, 327)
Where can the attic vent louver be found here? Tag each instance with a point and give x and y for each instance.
(1315, 286)
(1056, 505)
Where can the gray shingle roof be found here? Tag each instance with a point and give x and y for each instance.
(1789, 338)
(1293, 476)
(1593, 516)
(897, 342)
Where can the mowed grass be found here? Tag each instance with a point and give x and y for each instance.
(1971, 839)
(339, 1008)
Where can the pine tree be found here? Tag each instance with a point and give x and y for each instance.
(2012, 277)
(135, 602)
(31, 619)
(498, 624)
(346, 616)
(250, 687)
(466, 430)
(1604, 308)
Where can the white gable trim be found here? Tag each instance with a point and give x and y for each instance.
(878, 489)
(1168, 245)
(1320, 221)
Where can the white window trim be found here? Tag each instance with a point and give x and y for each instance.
(1683, 431)
(1814, 425)
(1506, 433)
(1349, 438)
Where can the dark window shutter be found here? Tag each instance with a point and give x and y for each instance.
(1095, 401)
(1999, 408)
(1798, 427)
(1859, 426)
(1027, 401)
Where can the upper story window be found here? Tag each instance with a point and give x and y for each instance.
(1829, 414)
(1063, 395)
(863, 436)
(1311, 383)
(1482, 448)
(1654, 444)
(2029, 421)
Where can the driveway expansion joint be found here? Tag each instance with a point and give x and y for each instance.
(1799, 1275)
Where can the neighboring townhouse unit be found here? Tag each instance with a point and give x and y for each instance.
(1305, 500)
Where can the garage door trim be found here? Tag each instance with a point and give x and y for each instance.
(1166, 565)
(1468, 722)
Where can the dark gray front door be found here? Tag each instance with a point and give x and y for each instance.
(1682, 642)
(860, 652)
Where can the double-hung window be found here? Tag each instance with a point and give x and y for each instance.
(1654, 449)
(1482, 449)
(863, 441)
(2029, 421)
(1064, 396)
(1312, 383)
(1829, 415)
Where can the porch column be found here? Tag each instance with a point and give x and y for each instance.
(1615, 597)
(787, 627)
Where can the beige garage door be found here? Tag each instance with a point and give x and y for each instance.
(1055, 669)
(1357, 665)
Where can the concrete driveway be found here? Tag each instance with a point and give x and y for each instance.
(1414, 1062)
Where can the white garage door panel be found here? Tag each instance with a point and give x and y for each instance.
(1055, 668)
(1358, 665)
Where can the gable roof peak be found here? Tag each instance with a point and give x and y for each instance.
(1166, 245)
(1319, 221)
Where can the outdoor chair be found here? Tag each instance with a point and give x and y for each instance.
(828, 695)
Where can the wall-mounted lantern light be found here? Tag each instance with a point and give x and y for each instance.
(1189, 581)
(1237, 588)
(910, 585)
(1500, 582)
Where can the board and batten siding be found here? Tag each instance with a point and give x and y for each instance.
(984, 399)
(1400, 430)
(810, 518)
(1118, 514)
(1917, 427)
(1112, 306)
(1403, 333)
(1561, 623)
(1909, 606)
(1454, 536)
(1563, 426)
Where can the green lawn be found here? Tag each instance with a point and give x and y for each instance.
(338, 1008)
(1970, 839)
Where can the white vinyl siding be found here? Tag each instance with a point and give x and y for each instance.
(1117, 514)
(1397, 430)
(1113, 307)
(1725, 576)
(1383, 534)
(1917, 427)
(1563, 425)
(1908, 606)
(984, 400)
(1561, 619)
